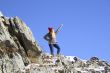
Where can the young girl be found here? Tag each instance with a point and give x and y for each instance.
(51, 38)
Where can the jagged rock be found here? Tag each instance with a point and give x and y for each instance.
(66, 66)
(11, 65)
(17, 45)
(94, 59)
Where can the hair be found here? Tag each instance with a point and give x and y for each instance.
(52, 32)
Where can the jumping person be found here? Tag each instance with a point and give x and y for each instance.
(51, 38)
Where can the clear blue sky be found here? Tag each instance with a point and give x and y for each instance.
(86, 30)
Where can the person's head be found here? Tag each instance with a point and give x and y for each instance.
(51, 30)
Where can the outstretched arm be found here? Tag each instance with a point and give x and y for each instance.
(59, 29)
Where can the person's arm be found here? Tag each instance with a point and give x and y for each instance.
(59, 29)
(46, 37)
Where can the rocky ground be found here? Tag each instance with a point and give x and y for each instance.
(67, 64)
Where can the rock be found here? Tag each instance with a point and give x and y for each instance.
(26, 37)
(11, 65)
(94, 59)
(67, 66)
(17, 45)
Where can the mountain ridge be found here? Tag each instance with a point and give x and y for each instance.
(67, 64)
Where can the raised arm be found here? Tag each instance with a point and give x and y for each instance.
(59, 29)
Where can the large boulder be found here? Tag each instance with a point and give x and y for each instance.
(17, 44)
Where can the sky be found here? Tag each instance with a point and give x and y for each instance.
(86, 24)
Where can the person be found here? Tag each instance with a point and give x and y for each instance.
(52, 41)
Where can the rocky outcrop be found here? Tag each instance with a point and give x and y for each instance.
(67, 64)
(17, 45)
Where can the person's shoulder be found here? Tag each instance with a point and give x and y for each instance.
(48, 33)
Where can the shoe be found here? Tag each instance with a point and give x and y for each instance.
(51, 56)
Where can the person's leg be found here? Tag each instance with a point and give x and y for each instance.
(58, 48)
(51, 49)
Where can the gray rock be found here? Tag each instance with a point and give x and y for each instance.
(17, 45)
(66, 67)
